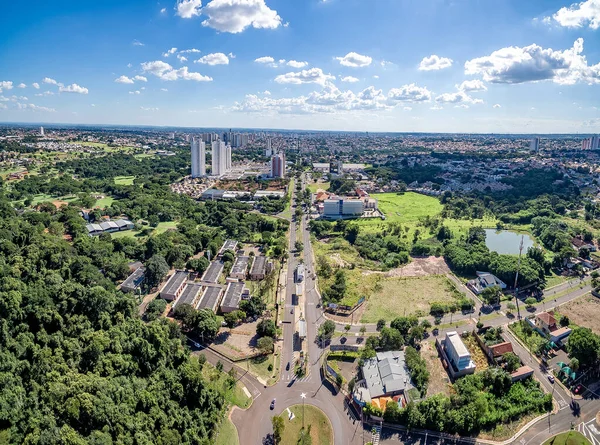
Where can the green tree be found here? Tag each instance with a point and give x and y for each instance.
(298, 245)
(265, 345)
(155, 309)
(380, 324)
(156, 270)
(304, 438)
(512, 361)
(491, 295)
(266, 328)
(583, 345)
(363, 330)
(278, 428)
(326, 330)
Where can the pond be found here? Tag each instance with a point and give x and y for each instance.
(506, 242)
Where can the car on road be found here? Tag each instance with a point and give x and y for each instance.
(273, 404)
(550, 378)
(287, 367)
(578, 389)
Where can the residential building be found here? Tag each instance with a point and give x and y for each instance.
(269, 150)
(109, 226)
(175, 286)
(534, 144)
(592, 143)
(134, 280)
(385, 375)
(198, 158)
(211, 298)
(213, 272)
(258, 269)
(484, 280)
(240, 268)
(190, 295)
(343, 208)
(456, 355)
(278, 165)
(227, 245)
(545, 322)
(228, 158)
(220, 158)
(546, 325)
(233, 296)
(42, 131)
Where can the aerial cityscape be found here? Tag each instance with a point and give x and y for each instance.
(264, 222)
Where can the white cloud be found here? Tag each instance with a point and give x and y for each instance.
(472, 85)
(134, 92)
(214, 59)
(355, 60)
(163, 10)
(163, 89)
(436, 107)
(231, 55)
(21, 85)
(375, 76)
(313, 75)
(409, 93)
(45, 93)
(140, 78)
(181, 58)
(5, 85)
(35, 85)
(149, 109)
(191, 50)
(165, 71)
(281, 61)
(265, 59)
(578, 15)
(534, 63)
(129, 65)
(407, 108)
(188, 8)
(434, 63)
(461, 106)
(93, 105)
(50, 81)
(497, 106)
(33, 107)
(267, 93)
(350, 79)
(123, 79)
(236, 15)
(457, 98)
(137, 43)
(169, 52)
(143, 88)
(296, 64)
(73, 88)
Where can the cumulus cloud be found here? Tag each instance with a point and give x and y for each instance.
(140, 78)
(296, 64)
(578, 15)
(457, 98)
(472, 85)
(123, 79)
(45, 93)
(188, 8)
(313, 75)
(5, 85)
(34, 107)
(265, 60)
(354, 60)
(49, 81)
(163, 10)
(163, 89)
(149, 109)
(231, 55)
(214, 59)
(73, 88)
(181, 58)
(164, 71)
(234, 16)
(35, 85)
(21, 85)
(434, 63)
(497, 106)
(409, 93)
(169, 52)
(533, 63)
(350, 79)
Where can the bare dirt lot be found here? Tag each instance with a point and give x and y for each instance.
(438, 377)
(584, 311)
(238, 342)
(420, 267)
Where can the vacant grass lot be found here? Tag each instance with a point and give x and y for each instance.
(321, 432)
(584, 311)
(124, 180)
(532, 341)
(318, 186)
(568, 438)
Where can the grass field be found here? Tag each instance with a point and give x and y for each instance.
(124, 180)
(164, 226)
(316, 186)
(321, 431)
(104, 202)
(259, 367)
(391, 297)
(533, 341)
(235, 396)
(568, 438)
(228, 434)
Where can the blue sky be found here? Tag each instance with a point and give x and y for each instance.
(379, 65)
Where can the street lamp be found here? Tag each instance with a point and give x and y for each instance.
(303, 395)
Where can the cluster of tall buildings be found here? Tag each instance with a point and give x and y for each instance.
(236, 139)
(221, 158)
(592, 143)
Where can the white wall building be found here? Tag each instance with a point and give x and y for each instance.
(592, 143)
(198, 158)
(41, 131)
(343, 208)
(228, 157)
(219, 158)
(269, 150)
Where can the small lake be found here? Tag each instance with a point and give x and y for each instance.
(506, 242)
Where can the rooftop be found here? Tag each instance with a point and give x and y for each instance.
(233, 294)
(134, 279)
(189, 294)
(457, 344)
(228, 245)
(175, 282)
(386, 373)
(240, 265)
(210, 298)
(258, 265)
(547, 318)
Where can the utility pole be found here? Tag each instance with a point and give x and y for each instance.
(517, 278)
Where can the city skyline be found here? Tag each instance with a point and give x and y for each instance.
(506, 68)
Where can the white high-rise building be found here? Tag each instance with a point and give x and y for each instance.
(198, 158)
(535, 144)
(41, 131)
(228, 157)
(268, 151)
(219, 158)
(592, 143)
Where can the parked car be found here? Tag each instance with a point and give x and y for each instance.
(273, 404)
(551, 378)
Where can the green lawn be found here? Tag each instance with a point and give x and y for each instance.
(532, 341)
(228, 434)
(568, 438)
(318, 186)
(164, 226)
(259, 367)
(124, 180)
(236, 395)
(287, 211)
(105, 202)
(321, 431)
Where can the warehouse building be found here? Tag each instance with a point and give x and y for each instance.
(213, 272)
(174, 286)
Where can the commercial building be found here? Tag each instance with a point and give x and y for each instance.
(221, 158)
(240, 268)
(190, 295)
(233, 296)
(211, 298)
(268, 193)
(258, 269)
(343, 208)
(175, 286)
(385, 375)
(278, 165)
(269, 150)
(198, 158)
(134, 281)
(457, 354)
(534, 145)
